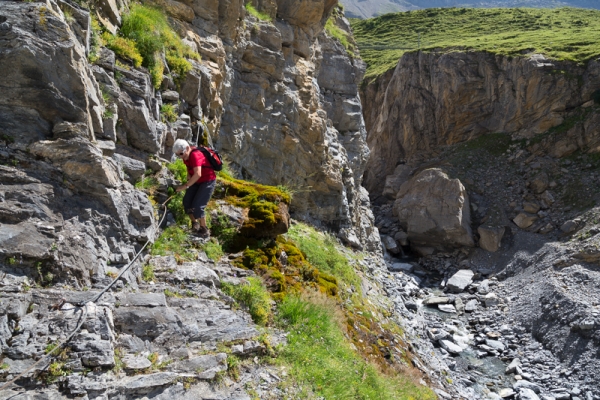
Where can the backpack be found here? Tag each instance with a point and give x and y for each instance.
(213, 157)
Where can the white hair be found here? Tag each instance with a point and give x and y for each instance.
(179, 146)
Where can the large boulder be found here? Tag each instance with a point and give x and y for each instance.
(434, 211)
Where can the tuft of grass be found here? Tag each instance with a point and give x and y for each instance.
(560, 33)
(168, 113)
(213, 249)
(321, 359)
(254, 295)
(255, 13)
(149, 29)
(320, 250)
(123, 48)
(334, 31)
(173, 240)
(148, 273)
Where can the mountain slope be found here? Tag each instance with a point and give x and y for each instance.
(563, 34)
(373, 8)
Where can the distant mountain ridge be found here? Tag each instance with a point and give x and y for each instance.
(371, 8)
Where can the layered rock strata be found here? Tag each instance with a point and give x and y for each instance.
(435, 99)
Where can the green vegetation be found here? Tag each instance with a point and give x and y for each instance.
(148, 183)
(168, 113)
(255, 13)
(95, 40)
(564, 33)
(336, 32)
(175, 205)
(123, 48)
(320, 250)
(154, 39)
(322, 360)
(261, 201)
(213, 249)
(172, 241)
(253, 295)
(148, 273)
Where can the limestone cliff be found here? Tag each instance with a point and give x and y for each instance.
(279, 98)
(431, 100)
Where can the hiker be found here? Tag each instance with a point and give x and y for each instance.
(200, 184)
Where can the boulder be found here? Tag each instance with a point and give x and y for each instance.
(524, 220)
(448, 308)
(432, 301)
(460, 280)
(527, 394)
(490, 237)
(451, 347)
(434, 211)
(539, 183)
(390, 244)
(401, 267)
(393, 182)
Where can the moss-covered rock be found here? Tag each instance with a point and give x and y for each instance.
(265, 207)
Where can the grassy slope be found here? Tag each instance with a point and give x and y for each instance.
(565, 33)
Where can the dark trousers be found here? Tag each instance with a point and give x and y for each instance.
(196, 198)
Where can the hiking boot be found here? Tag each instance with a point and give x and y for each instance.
(195, 226)
(203, 232)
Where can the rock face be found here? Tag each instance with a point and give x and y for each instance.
(434, 211)
(281, 98)
(292, 116)
(436, 99)
(65, 206)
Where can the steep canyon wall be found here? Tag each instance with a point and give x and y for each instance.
(431, 100)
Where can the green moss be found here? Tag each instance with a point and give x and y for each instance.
(148, 273)
(262, 202)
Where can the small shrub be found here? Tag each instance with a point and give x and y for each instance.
(255, 13)
(168, 113)
(175, 205)
(254, 295)
(95, 40)
(148, 273)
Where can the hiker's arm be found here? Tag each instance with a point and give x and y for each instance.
(191, 180)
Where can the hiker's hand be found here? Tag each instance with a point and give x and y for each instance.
(180, 188)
